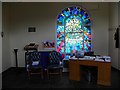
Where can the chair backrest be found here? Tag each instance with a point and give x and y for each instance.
(54, 57)
(34, 58)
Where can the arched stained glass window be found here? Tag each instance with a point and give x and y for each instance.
(73, 30)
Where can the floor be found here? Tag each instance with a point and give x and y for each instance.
(17, 78)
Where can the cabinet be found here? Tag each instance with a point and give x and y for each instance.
(65, 65)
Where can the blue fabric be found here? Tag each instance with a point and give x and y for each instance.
(44, 58)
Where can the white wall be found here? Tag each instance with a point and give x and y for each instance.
(119, 33)
(6, 60)
(0, 37)
(44, 16)
(113, 51)
(100, 39)
(0, 46)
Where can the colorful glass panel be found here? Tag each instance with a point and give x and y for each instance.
(73, 30)
(73, 42)
(60, 46)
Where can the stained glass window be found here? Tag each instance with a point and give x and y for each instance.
(73, 30)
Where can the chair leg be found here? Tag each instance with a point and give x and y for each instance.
(47, 73)
(29, 74)
(41, 73)
(60, 72)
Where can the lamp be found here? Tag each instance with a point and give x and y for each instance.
(16, 50)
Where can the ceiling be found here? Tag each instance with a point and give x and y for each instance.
(59, 0)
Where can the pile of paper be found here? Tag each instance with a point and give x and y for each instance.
(107, 58)
(103, 58)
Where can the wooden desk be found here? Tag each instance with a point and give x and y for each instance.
(104, 70)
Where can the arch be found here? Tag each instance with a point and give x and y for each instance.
(73, 30)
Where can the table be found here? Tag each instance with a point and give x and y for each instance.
(104, 70)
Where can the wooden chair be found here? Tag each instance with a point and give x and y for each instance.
(54, 66)
(34, 63)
